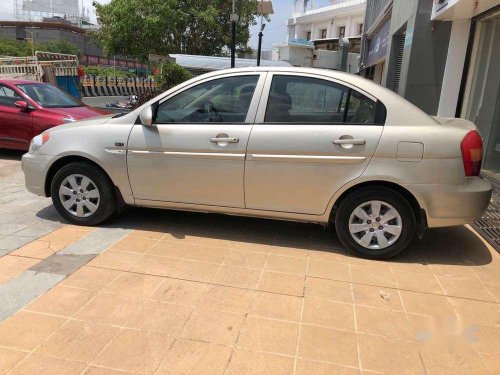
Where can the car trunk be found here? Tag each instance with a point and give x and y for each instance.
(458, 123)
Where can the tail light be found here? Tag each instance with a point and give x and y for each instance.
(472, 153)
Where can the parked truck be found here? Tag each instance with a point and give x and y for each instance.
(60, 70)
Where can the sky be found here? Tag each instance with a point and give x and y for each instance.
(275, 31)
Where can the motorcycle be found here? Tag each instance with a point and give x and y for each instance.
(129, 105)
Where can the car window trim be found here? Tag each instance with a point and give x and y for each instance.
(261, 112)
(252, 109)
(347, 102)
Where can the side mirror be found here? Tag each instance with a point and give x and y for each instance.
(146, 116)
(21, 104)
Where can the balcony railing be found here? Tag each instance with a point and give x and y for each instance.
(330, 5)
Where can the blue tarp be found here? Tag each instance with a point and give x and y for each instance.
(70, 85)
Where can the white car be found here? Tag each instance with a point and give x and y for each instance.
(286, 143)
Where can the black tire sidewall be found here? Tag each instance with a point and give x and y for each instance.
(386, 195)
(107, 205)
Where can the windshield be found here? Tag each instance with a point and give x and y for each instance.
(48, 96)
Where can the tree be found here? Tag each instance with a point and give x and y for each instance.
(18, 48)
(172, 74)
(11, 47)
(60, 46)
(136, 28)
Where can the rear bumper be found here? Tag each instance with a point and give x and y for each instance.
(35, 169)
(447, 205)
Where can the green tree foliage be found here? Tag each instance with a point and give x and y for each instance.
(110, 72)
(140, 27)
(60, 46)
(11, 47)
(137, 27)
(172, 74)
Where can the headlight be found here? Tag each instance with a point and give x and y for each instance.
(38, 142)
(68, 119)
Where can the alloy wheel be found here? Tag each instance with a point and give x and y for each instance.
(375, 225)
(79, 195)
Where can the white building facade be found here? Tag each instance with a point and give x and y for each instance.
(325, 19)
(314, 31)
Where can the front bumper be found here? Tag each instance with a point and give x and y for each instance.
(447, 205)
(35, 167)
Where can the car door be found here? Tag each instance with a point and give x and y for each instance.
(312, 135)
(195, 152)
(16, 124)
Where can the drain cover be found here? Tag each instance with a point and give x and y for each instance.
(489, 225)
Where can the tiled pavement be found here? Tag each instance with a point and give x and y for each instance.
(177, 293)
(23, 216)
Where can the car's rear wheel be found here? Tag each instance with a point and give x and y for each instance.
(375, 223)
(83, 194)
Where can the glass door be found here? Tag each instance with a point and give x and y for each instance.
(483, 107)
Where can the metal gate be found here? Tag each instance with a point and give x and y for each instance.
(399, 50)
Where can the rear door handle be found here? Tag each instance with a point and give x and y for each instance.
(224, 139)
(349, 141)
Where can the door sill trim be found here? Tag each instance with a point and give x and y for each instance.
(239, 211)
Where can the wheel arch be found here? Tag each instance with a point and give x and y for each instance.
(68, 159)
(418, 210)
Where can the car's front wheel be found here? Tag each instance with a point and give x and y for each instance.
(83, 194)
(375, 223)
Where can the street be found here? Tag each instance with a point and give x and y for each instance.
(158, 291)
(100, 101)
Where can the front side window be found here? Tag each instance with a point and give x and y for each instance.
(223, 100)
(306, 100)
(48, 96)
(8, 96)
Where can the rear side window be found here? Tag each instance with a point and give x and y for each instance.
(305, 100)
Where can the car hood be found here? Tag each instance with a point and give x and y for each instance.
(90, 121)
(78, 113)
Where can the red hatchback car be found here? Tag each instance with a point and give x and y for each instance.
(27, 108)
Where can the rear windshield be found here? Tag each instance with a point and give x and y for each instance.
(48, 96)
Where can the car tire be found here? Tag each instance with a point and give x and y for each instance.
(372, 235)
(83, 194)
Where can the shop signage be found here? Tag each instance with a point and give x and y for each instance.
(440, 4)
(377, 44)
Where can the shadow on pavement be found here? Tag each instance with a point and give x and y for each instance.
(11, 154)
(448, 246)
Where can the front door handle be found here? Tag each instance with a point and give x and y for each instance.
(349, 141)
(224, 140)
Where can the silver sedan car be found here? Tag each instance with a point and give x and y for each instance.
(286, 143)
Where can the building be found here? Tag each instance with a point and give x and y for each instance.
(50, 30)
(317, 29)
(38, 10)
(471, 79)
(314, 20)
(439, 55)
(198, 64)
